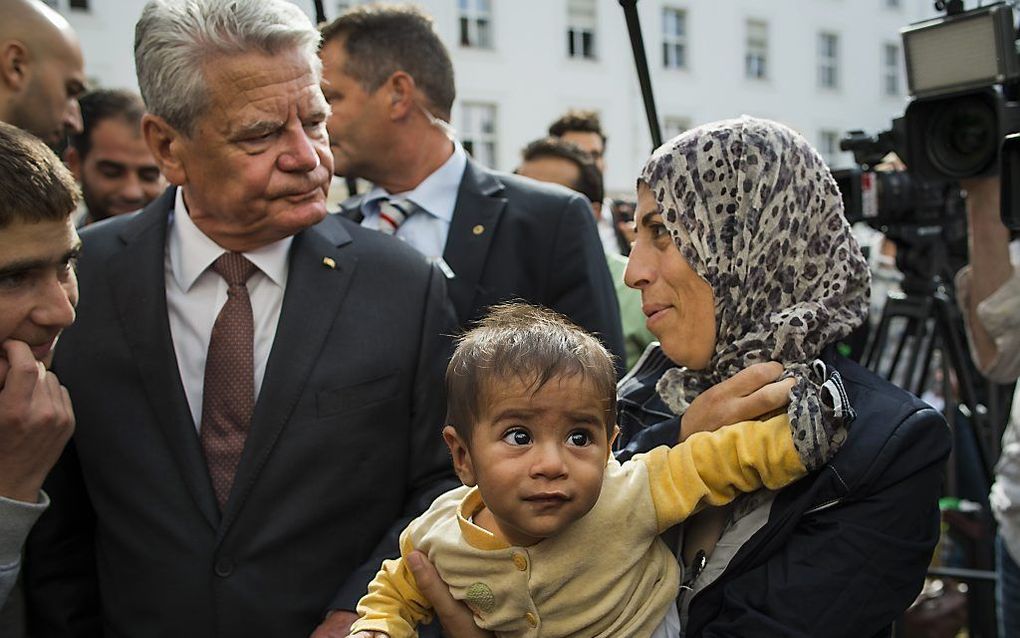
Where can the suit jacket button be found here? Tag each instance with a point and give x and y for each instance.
(224, 567)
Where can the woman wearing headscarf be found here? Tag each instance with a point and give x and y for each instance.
(743, 255)
(745, 263)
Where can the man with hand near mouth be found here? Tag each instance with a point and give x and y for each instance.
(38, 293)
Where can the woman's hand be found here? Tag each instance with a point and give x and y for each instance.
(749, 394)
(456, 618)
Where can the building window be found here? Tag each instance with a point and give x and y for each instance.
(475, 23)
(674, 38)
(757, 57)
(828, 146)
(893, 4)
(891, 69)
(478, 131)
(581, 19)
(79, 5)
(828, 60)
(674, 125)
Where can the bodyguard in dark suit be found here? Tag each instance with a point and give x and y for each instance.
(242, 490)
(389, 81)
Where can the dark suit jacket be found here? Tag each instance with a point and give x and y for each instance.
(514, 238)
(344, 445)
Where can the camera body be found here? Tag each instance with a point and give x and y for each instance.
(962, 72)
(959, 135)
(889, 200)
(963, 121)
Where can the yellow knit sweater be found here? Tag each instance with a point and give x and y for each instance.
(608, 574)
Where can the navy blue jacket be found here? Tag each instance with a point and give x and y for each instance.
(845, 550)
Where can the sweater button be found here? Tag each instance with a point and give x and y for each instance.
(520, 562)
(532, 619)
(224, 567)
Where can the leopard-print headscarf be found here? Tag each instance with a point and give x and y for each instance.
(756, 213)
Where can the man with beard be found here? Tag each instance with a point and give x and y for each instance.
(41, 71)
(110, 159)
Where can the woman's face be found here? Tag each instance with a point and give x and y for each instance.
(678, 303)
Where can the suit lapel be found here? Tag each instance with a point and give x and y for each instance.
(315, 292)
(475, 217)
(139, 291)
(350, 208)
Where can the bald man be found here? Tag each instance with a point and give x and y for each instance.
(41, 71)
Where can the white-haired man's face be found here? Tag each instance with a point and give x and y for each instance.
(257, 165)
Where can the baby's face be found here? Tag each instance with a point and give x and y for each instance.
(538, 457)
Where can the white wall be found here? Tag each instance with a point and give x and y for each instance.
(528, 75)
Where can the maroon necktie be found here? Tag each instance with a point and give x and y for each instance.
(228, 395)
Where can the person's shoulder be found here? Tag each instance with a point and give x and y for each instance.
(374, 248)
(868, 391)
(542, 193)
(894, 433)
(439, 519)
(517, 188)
(101, 238)
(116, 230)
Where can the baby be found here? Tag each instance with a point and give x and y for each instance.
(550, 536)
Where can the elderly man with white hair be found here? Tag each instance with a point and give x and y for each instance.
(257, 384)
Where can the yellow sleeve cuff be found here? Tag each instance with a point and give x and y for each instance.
(393, 604)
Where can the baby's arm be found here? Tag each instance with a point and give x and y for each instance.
(394, 605)
(711, 468)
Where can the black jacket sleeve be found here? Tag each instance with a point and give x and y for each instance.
(431, 472)
(61, 583)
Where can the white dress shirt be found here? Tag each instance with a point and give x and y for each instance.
(195, 294)
(436, 196)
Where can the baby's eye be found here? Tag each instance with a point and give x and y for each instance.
(579, 438)
(517, 436)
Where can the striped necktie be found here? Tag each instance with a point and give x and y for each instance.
(392, 213)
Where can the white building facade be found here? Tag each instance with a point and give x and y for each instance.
(821, 66)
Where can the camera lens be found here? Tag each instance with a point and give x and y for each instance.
(962, 137)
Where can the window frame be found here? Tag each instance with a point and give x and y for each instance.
(577, 47)
(891, 84)
(473, 116)
(828, 146)
(471, 16)
(759, 53)
(828, 60)
(675, 44)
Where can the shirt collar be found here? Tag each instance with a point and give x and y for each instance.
(192, 251)
(436, 194)
(476, 536)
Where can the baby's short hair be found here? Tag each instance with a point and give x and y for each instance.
(520, 341)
